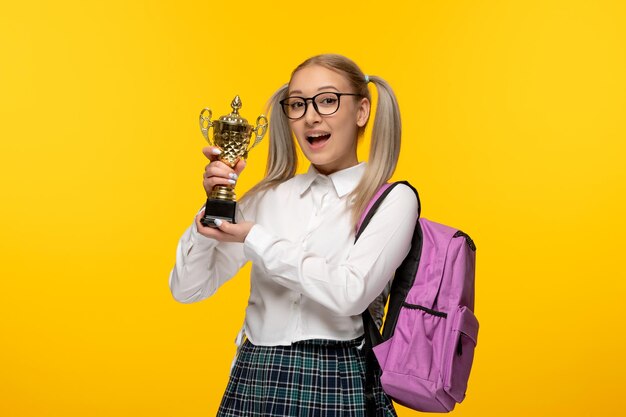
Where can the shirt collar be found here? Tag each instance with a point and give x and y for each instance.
(344, 181)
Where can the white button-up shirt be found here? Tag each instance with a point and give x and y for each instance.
(309, 279)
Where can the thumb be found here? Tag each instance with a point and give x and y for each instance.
(223, 225)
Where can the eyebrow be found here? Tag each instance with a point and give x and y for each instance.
(324, 87)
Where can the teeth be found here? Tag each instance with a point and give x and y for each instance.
(317, 135)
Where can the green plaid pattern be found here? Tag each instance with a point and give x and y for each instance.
(312, 378)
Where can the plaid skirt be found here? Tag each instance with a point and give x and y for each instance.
(312, 378)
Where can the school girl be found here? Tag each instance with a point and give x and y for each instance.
(310, 281)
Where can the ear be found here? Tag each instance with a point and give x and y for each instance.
(363, 112)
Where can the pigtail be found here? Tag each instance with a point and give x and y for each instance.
(384, 148)
(282, 159)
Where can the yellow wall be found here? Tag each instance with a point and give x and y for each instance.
(513, 131)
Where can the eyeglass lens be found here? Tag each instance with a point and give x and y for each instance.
(324, 103)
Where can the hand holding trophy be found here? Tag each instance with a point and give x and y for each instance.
(232, 134)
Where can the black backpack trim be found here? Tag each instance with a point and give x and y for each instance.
(402, 283)
(405, 274)
(425, 309)
(468, 239)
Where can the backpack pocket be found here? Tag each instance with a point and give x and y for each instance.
(411, 360)
(459, 353)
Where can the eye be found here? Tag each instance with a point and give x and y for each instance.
(327, 100)
(295, 104)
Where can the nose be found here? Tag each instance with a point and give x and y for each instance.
(311, 116)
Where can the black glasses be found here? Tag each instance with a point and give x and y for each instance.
(325, 104)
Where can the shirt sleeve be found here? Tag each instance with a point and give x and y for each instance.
(346, 288)
(203, 265)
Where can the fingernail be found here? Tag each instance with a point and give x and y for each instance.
(233, 175)
(232, 182)
(216, 151)
(217, 222)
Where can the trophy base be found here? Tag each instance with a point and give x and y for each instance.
(218, 209)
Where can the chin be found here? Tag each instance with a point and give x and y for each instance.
(318, 160)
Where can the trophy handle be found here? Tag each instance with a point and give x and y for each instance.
(260, 129)
(206, 124)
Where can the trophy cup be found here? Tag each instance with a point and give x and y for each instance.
(232, 134)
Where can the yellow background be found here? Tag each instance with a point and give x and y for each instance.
(513, 122)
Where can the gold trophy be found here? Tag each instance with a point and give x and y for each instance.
(232, 134)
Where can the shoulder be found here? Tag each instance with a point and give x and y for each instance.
(403, 198)
(399, 208)
(395, 217)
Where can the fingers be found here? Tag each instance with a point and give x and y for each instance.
(224, 226)
(225, 231)
(234, 232)
(212, 152)
(199, 216)
(219, 233)
(211, 232)
(218, 173)
(199, 226)
(211, 182)
(241, 164)
(218, 169)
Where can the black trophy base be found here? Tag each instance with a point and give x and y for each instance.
(218, 209)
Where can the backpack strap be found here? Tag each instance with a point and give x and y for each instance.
(371, 363)
(370, 209)
(377, 200)
(372, 333)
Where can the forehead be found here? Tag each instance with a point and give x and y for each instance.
(313, 79)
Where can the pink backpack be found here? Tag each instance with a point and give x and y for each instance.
(430, 331)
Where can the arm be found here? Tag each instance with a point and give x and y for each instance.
(202, 266)
(346, 288)
(202, 263)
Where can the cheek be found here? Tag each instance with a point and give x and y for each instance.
(348, 132)
(295, 130)
(298, 133)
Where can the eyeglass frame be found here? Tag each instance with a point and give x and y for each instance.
(306, 103)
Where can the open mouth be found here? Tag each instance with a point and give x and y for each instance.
(317, 140)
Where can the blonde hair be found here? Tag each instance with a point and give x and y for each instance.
(282, 159)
